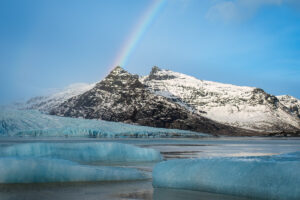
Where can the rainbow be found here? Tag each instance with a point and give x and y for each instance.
(138, 32)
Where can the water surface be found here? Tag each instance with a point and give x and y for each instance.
(169, 148)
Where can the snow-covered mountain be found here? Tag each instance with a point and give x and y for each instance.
(46, 103)
(173, 100)
(122, 97)
(244, 107)
(292, 103)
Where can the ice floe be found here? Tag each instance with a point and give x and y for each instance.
(41, 170)
(83, 152)
(266, 177)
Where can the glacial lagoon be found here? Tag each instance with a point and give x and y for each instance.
(80, 174)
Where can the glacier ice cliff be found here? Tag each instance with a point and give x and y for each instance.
(266, 177)
(83, 152)
(41, 170)
(34, 123)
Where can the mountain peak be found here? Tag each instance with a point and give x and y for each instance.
(120, 73)
(160, 74)
(118, 79)
(155, 69)
(118, 70)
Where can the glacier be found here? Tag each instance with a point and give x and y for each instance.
(42, 170)
(34, 123)
(83, 152)
(265, 177)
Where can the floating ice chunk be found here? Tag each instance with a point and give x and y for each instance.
(267, 177)
(41, 170)
(84, 152)
(34, 123)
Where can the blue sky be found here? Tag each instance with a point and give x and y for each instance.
(48, 44)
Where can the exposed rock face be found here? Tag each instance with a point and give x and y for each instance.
(243, 107)
(122, 97)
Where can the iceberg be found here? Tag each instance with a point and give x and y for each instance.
(42, 170)
(83, 152)
(34, 123)
(266, 177)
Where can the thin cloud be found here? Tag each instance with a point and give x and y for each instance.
(240, 10)
(226, 11)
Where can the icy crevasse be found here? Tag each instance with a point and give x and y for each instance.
(83, 152)
(267, 177)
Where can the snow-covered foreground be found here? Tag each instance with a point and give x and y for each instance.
(34, 123)
(265, 177)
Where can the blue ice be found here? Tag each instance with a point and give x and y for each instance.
(40, 170)
(83, 152)
(34, 123)
(267, 177)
